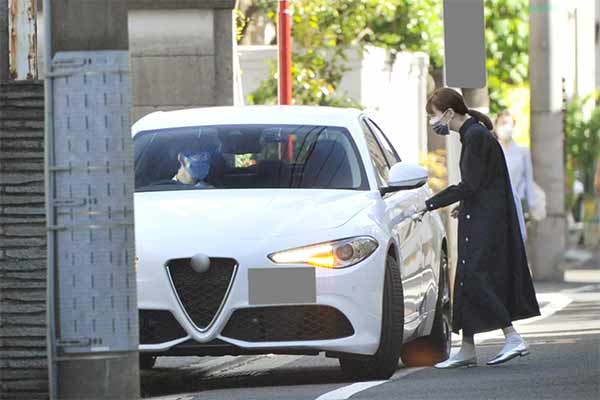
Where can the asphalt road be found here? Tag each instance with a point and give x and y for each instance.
(564, 364)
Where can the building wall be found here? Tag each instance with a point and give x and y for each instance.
(23, 366)
(180, 59)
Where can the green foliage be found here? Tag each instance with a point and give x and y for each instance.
(582, 129)
(314, 82)
(507, 42)
(327, 29)
(409, 25)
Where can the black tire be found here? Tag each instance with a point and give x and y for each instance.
(147, 361)
(384, 362)
(434, 348)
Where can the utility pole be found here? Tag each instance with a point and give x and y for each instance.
(548, 237)
(284, 42)
(92, 304)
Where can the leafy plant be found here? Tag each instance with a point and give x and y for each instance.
(582, 130)
(325, 30)
(507, 45)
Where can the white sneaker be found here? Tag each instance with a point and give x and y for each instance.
(511, 350)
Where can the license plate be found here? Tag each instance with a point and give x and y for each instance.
(281, 286)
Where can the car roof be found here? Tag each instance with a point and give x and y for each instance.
(241, 115)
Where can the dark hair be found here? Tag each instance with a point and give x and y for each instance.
(445, 98)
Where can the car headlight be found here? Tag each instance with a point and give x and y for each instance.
(336, 254)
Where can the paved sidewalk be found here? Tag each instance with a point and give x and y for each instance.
(581, 266)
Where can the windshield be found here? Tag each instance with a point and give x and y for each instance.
(247, 157)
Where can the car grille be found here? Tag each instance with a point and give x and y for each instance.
(287, 323)
(157, 326)
(202, 294)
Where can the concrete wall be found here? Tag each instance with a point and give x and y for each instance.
(23, 366)
(577, 24)
(3, 40)
(586, 57)
(180, 58)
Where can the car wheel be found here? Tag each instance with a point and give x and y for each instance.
(384, 362)
(147, 361)
(435, 347)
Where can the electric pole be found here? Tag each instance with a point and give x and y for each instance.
(548, 237)
(284, 42)
(92, 304)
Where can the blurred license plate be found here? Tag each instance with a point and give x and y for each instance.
(281, 285)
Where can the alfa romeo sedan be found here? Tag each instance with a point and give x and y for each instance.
(286, 230)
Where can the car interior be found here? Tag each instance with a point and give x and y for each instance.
(258, 157)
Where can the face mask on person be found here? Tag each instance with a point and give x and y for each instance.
(440, 126)
(197, 165)
(505, 131)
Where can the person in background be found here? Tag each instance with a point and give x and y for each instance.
(518, 160)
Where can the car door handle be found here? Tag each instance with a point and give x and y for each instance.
(416, 215)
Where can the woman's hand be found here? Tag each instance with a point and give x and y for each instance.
(455, 212)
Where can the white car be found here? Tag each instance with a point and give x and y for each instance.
(286, 230)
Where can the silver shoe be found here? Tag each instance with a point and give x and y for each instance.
(521, 350)
(457, 363)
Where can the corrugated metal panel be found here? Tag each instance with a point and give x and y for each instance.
(93, 203)
(23, 39)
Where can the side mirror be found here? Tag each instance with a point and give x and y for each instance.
(405, 176)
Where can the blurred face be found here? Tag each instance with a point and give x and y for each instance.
(505, 128)
(194, 168)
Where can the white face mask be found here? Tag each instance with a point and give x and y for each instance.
(505, 131)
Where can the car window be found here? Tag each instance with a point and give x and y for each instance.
(390, 153)
(247, 156)
(378, 159)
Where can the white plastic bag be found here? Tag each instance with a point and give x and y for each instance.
(538, 211)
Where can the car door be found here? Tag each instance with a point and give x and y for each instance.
(405, 230)
(424, 228)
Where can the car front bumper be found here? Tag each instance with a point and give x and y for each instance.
(350, 296)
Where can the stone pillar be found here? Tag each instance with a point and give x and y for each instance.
(225, 43)
(181, 54)
(478, 99)
(548, 237)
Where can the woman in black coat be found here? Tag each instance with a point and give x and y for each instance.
(493, 285)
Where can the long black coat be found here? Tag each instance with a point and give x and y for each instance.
(493, 285)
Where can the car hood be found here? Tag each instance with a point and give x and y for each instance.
(245, 214)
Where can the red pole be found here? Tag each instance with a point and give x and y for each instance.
(285, 53)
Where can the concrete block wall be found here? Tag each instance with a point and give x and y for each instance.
(23, 365)
(180, 58)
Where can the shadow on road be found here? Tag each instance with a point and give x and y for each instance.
(161, 382)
